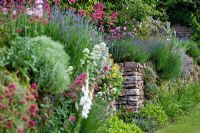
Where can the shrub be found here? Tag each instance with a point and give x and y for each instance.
(40, 60)
(126, 50)
(17, 107)
(115, 125)
(168, 62)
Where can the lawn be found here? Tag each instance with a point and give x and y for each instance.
(186, 124)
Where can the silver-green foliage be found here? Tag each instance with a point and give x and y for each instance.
(40, 60)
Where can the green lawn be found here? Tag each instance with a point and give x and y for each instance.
(186, 124)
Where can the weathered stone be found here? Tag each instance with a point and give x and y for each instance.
(133, 78)
(131, 92)
(133, 98)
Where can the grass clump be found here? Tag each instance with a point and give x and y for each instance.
(168, 62)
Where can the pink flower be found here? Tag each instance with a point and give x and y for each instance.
(98, 6)
(111, 31)
(2, 106)
(20, 129)
(72, 1)
(31, 124)
(22, 101)
(98, 15)
(124, 28)
(39, 2)
(72, 118)
(34, 86)
(114, 15)
(12, 87)
(117, 28)
(81, 12)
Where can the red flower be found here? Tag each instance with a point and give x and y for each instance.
(72, 118)
(2, 106)
(34, 86)
(31, 124)
(81, 12)
(32, 110)
(12, 87)
(105, 68)
(22, 101)
(24, 118)
(19, 30)
(9, 125)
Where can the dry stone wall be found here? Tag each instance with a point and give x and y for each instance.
(132, 96)
(182, 32)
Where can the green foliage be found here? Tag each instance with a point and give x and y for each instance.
(115, 125)
(96, 119)
(6, 31)
(179, 99)
(192, 49)
(126, 50)
(75, 34)
(40, 60)
(149, 118)
(168, 62)
(154, 112)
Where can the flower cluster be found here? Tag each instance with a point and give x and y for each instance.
(18, 108)
(76, 87)
(110, 84)
(86, 99)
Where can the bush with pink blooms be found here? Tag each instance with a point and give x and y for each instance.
(18, 107)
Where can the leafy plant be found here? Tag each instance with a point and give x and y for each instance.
(126, 50)
(178, 99)
(40, 60)
(149, 118)
(115, 125)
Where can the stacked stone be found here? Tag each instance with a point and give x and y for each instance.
(132, 96)
(182, 32)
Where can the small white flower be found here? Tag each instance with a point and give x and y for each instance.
(5, 10)
(29, 12)
(14, 13)
(114, 90)
(86, 51)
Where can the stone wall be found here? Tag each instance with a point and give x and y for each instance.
(182, 32)
(132, 96)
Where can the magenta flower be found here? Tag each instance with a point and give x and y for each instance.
(34, 86)
(72, 1)
(81, 12)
